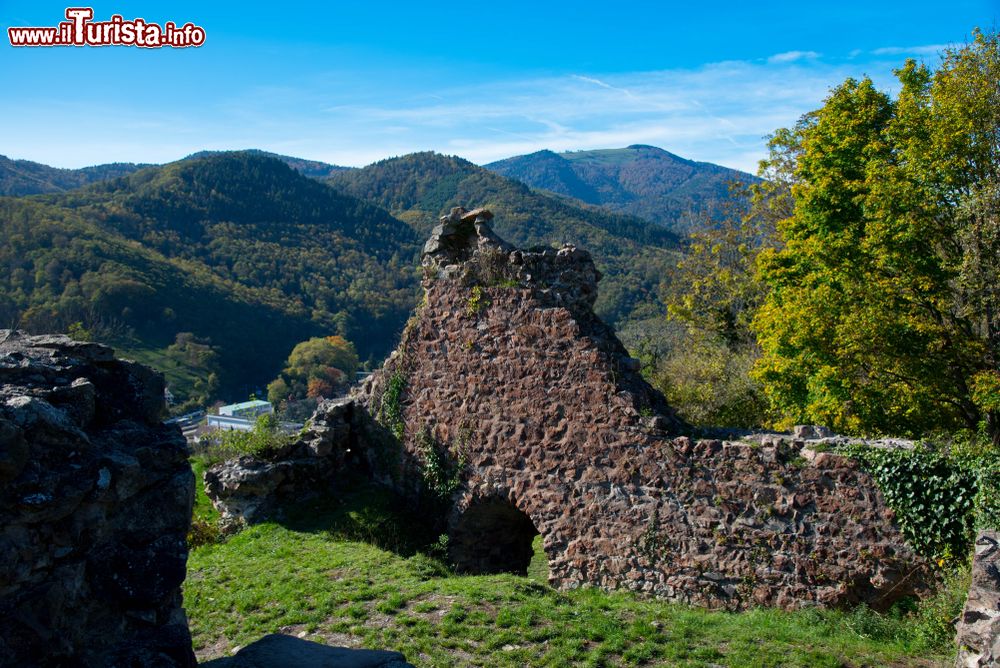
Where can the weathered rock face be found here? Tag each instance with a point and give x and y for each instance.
(94, 510)
(507, 374)
(338, 441)
(978, 631)
(463, 248)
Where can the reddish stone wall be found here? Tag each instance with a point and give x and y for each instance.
(555, 421)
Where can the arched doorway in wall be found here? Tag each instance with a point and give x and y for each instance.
(492, 536)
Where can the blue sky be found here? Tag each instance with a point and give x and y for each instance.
(351, 83)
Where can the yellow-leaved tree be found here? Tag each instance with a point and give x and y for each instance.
(882, 312)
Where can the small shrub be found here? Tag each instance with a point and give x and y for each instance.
(441, 472)
(652, 541)
(264, 441)
(494, 269)
(933, 619)
(439, 550)
(924, 625)
(477, 301)
(203, 532)
(988, 496)
(883, 627)
(390, 411)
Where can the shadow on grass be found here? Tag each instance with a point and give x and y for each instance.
(363, 511)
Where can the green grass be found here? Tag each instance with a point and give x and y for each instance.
(203, 508)
(320, 576)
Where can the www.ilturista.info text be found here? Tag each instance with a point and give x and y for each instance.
(81, 30)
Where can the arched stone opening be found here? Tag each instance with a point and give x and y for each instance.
(492, 536)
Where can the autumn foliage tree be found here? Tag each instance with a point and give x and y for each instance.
(316, 368)
(883, 305)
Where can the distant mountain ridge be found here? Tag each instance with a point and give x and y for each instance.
(633, 254)
(644, 181)
(314, 169)
(24, 177)
(249, 255)
(237, 248)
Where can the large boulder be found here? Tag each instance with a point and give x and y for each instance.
(95, 505)
(337, 441)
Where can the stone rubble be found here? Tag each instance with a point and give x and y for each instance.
(248, 489)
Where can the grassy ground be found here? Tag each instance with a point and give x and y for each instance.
(325, 574)
(203, 509)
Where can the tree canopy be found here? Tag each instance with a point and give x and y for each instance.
(883, 305)
(315, 368)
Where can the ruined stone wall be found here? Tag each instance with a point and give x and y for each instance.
(341, 440)
(517, 379)
(978, 630)
(95, 504)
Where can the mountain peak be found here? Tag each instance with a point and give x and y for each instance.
(642, 180)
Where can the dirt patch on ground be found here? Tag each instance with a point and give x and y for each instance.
(217, 649)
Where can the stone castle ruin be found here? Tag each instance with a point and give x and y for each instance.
(506, 370)
(511, 400)
(508, 402)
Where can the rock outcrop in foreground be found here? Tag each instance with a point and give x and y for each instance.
(514, 398)
(94, 510)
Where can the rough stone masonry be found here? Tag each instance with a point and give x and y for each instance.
(978, 629)
(95, 505)
(505, 372)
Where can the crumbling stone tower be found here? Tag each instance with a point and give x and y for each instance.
(506, 370)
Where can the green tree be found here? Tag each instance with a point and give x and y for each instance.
(715, 292)
(201, 358)
(316, 367)
(712, 296)
(881, 314)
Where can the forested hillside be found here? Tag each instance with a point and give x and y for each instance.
(239, 250)
(214, 267)
(633, 254)
(643, 181)
(23, 177)
(314, 169)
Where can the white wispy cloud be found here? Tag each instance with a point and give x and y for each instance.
(717, 113)
(923, 50)
(602, 84)
(792, 56)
